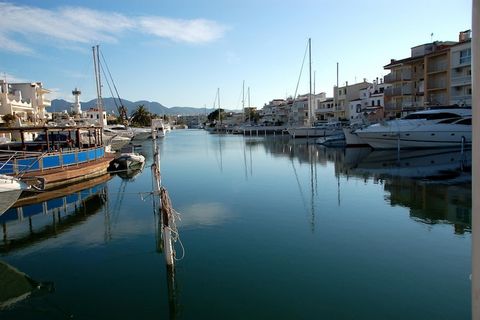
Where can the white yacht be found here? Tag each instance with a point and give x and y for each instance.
(120, 130)
(10, 190)
(434, 128)
(141, 133)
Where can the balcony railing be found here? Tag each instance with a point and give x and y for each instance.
(461, 81)
(437, 66)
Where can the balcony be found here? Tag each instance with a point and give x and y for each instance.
(440, 66)
(405, 89)
(461, 81)
(461, 100)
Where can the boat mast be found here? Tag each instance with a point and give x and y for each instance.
(335, 94)
(96, 64)
(249, 110)
(309, 122)
(243, 100)
(219, 117)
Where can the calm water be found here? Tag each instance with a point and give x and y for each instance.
(272, 229)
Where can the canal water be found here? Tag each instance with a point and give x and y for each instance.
(271, 228)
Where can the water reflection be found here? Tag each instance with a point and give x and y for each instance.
(40, 216)
(435, 184)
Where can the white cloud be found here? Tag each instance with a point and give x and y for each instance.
(11, 78)
(191, 31)
(20, 25)
(13, 46)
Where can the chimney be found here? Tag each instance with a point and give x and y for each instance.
(464, 35)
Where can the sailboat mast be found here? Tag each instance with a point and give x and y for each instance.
(310, 77)
(243, 100)
(219, 117)
(249, 110)
(96, 63)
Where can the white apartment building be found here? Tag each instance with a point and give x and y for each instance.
(342, 97)
(92, 115)
(298, 111)
(275, 112)
(26, 101)
(461, 71)
(370, 104)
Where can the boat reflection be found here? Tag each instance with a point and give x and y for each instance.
(435, 184)
(17, 286)
(437, 165)
(39, 216)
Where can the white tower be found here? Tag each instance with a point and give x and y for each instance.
(76, 107)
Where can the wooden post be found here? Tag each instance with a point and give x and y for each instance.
(167, 234)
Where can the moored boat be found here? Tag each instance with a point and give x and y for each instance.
(61, 157)
(337, 140)
(10, 190)
(434, 128)
(127, 161)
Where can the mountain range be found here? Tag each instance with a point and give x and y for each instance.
(60, 105)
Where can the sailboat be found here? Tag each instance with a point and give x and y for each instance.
(311, 129)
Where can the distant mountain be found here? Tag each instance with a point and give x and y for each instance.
(59, 105)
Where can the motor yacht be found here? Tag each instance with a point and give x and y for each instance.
(433, 128)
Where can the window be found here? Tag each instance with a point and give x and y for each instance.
(465, 56)
(467, 122)
(378, 102)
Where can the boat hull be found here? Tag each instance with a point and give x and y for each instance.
(352, 139)
(417, 139)
(8, 198)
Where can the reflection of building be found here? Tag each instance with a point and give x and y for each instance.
(434, 203)
(27, 101)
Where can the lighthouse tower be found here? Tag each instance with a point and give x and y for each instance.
(76, 107)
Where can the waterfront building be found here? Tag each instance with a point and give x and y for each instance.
(344, 95)
(433, 74)
(461, 70)
(93, 116)
(370, 105)
(325, 110)
(275, 112)
(26, 101)
(322, 111)
(298, 111)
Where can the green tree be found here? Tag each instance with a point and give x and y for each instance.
(213, 116)
(141, 117)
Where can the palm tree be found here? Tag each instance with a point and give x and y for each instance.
(141, 116)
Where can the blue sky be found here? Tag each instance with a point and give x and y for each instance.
(178, 52)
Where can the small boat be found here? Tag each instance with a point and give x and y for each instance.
(337, 140)
(10, 190)
(127, 161)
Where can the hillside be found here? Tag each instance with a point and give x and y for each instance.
(59, 105)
